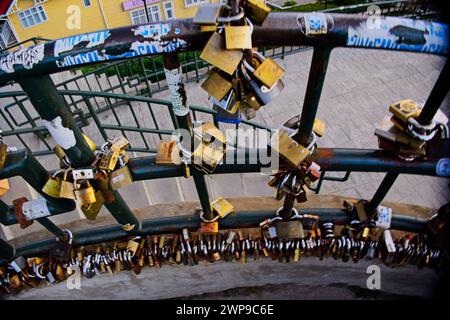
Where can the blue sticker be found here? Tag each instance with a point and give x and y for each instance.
(443, 167)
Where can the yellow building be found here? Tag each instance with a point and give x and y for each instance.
(21, 20)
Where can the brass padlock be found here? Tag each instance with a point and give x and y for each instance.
(92, 210)
(293, 152)
(212, 148)
(216, 85)
(319, 127)
(256, 10)
(119, 143)
(53, 185)
(67, 190)
(4, 187)
(292, 229)
(168, 153)
(108, 160)
(207, 13)
(268, 72)
(209, 227)
(228, 103)
(238, 37)
(3, 154)
(222, 207)
(84, 194)
(216, 54)
(404, 109)
(90, 143)
(120, 178)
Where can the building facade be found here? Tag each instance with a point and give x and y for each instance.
(21, 20)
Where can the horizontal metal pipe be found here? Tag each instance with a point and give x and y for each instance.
(244, 219)
(180, 35)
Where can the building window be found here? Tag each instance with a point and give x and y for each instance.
(189, 3)
(32, 16)
(39, 1)
(87, 3)
(168, 10)
(138, 16)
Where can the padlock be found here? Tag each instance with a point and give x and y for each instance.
(61, 249)
(216, 85)
(19, 264)
(4, 187)
(120, 178)
(314, 171)
(388, 247)
(383, 217)
(66, 190)
(319, 127)
(293, 152)
(404, 109)
(228, 103)
(209, 227)
(361, 211)
(102, 183)
(222, 207)
(53, 185)
(212, 148)
(288, 230)
(59, 152)
(268, 72)
(225, 116)
(302, 196)
(132, 246)
(208, 13)
(90, 143)
(84, 194)
(91, 210)
(119, 143)
(262, 93)
(3, 154)
(83, 173)
(256, 10)
(168, 153)
(216, 54)
(108, 160)
(238, 37)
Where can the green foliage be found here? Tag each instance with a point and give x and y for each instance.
(289, 3)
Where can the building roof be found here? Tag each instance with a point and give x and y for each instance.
(4, 6)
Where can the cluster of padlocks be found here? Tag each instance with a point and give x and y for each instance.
(242, 79)
(352, 242)
(403, 135)
(91, 187)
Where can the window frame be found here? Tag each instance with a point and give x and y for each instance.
(171, 9)
(87, 6)
(151, 13)
(28, 14)
(193, 4)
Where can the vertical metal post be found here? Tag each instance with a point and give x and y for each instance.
(174, 77)
(317, 72)
(437, 95)
(381, 192)
(7, 251)
(56, 116)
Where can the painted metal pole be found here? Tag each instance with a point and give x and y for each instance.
(174, 224)
(57, 118)
(53, 228)
(174, 77)
(7, 251)
(318, 70)
(381, 192)
(437, 95)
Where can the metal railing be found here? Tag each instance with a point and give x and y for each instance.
(77, 106)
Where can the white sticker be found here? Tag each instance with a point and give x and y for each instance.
(26, 57)
(175, 82)
(390, 246)
(63, 136)
(35, 209)
(89, 39)
(272, 232)
(384, 217)
(443, 167)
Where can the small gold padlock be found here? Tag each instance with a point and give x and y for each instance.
(3, 154)
(404, 109)
(120, 178)
(256, 10)
(216, 54)
(268, 72)
(293, 152)
(222, 207)
(319, 127)
(85, 195)
(168, 153)
(66, 190)
(238, 37)
(53, 185)
(4, 187)
(216, 86)
(119, 143)
(108, 160)
(133, 246)
(91, 210)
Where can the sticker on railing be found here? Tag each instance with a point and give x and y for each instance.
(35, 209)
(154, 31)
(81, 41)
(443, 167)
(399, 34)
(26, 57)
(63, 136)
(176, 87)
(315, 23)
